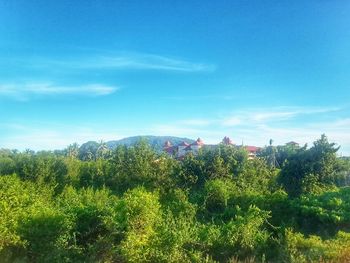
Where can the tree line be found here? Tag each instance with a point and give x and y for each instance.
(133, 204)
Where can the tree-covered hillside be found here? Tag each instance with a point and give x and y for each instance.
(90, 150)
(156, 142)
(134, 204)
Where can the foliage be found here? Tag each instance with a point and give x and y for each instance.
(309, 170)
(298, 248)
(325, 213)
(88, 204)
(243, 235)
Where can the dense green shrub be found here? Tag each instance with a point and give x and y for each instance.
(298, 248)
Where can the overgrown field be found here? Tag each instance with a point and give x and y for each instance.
(135, 205)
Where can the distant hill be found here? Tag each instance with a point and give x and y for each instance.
(156, 143)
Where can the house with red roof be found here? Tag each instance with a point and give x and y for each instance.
(169, 148)
(252, 151)
(183, 148)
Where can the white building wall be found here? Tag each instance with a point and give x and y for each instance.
(181, 151)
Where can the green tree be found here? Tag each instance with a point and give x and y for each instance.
(72, 150)
(311, 169)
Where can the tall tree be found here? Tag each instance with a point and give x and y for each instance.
(311, 169)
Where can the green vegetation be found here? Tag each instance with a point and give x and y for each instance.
(133, 204)
(89, 149)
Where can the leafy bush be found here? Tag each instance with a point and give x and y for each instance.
(298, 248)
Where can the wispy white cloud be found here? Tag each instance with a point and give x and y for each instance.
(278, 114)
(257, 126)
(253, 117)
(286, 113)
(231, 121)
(148, 62)
(97, 61)
(27, 90)
(115, 61)
(249, 130)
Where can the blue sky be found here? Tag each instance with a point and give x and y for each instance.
(72, 71)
